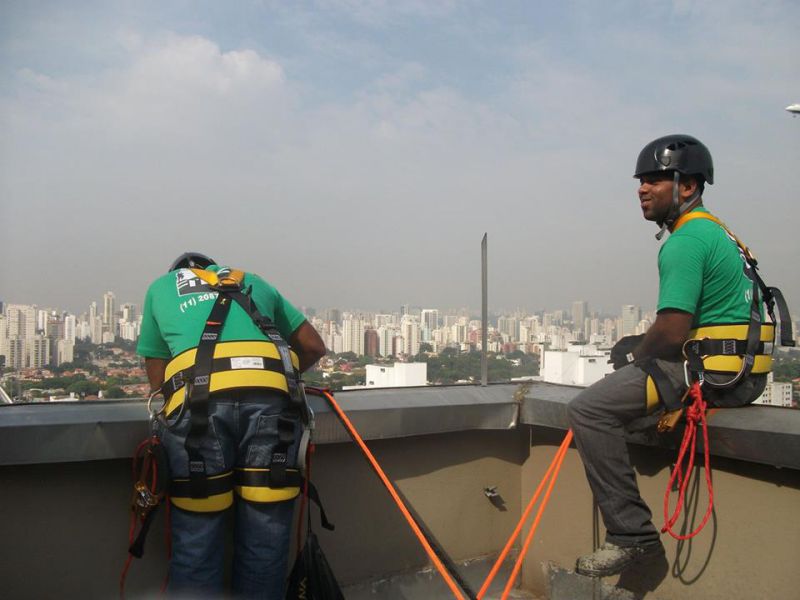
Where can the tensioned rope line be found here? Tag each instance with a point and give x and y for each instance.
(351, 430)
(562, 452)
(555, 465)
(550, 474)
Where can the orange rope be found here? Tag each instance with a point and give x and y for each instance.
(392, 491)
(510, 543)
(562, 452)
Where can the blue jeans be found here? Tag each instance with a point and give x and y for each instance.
(242, 432)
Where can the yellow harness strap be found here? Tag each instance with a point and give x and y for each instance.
(249, 364)
(230, 277)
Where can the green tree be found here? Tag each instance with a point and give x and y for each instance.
(114, 392)
(84, 388)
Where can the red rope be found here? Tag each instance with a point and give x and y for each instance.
(695, 413)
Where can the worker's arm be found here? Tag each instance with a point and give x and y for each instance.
(155, 368)
(666, 336)
(308, 345)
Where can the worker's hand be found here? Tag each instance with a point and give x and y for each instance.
(622, 352)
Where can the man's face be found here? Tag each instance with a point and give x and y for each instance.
(655, 195)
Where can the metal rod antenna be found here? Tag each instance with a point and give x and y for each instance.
(484, 311)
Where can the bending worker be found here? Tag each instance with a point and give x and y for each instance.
(704, 282)
(215, 344)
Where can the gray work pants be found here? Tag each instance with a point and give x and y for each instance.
(598, 416)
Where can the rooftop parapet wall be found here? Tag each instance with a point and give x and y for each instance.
(66, 481)
(52, 433)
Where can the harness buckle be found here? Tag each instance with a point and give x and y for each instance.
(728, 347)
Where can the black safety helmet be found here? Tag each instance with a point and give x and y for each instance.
(678, 152)
(191, 260)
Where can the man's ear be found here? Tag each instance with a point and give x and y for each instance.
(687, 187)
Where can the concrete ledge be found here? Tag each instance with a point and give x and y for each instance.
(68, 432)
(760, 434)
(99, 430)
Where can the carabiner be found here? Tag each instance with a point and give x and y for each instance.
(688, 379)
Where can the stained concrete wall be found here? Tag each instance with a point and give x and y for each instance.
(65, 526)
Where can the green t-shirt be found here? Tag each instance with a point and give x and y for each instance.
(701, 271)
(177, 305)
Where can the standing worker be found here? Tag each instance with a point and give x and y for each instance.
(709, 306)
(215, 344)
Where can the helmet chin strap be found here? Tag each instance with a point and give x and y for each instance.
(677, 209)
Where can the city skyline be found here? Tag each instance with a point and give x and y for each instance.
(354, 153)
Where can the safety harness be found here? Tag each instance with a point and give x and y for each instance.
(192, 376)
(734, 350)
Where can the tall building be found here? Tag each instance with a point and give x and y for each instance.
(129, 312)
(70, 328)
(21, 320)
(37, 352)
(631, 315)
(429, 318)
(385, 337)
(15, 355)
(371, 342)
(96, 335)
(580, 310)
(409, 329)
(109, 312)
(54, 334)
(353, 335)
(509, 327)
(65, 352)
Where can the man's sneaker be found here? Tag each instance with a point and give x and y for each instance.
(611, 559)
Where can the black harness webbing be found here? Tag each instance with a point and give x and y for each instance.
(199, 394)
(297, 409)
(198, 379)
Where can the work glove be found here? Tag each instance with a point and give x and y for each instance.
(622, 352)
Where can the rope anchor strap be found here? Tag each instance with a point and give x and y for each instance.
(695, 414)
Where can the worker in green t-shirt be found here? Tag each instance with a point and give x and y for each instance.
(251, 430)
(703, 282)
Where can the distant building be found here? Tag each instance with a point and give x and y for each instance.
(397, 375)
(109, 311)
(631, 315)
(65, 352)
(353, 335)
(371, 342)
(37, 352)
(409, 329)
(578, 365)
(777, 393)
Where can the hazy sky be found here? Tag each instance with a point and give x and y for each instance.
(354, 153)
